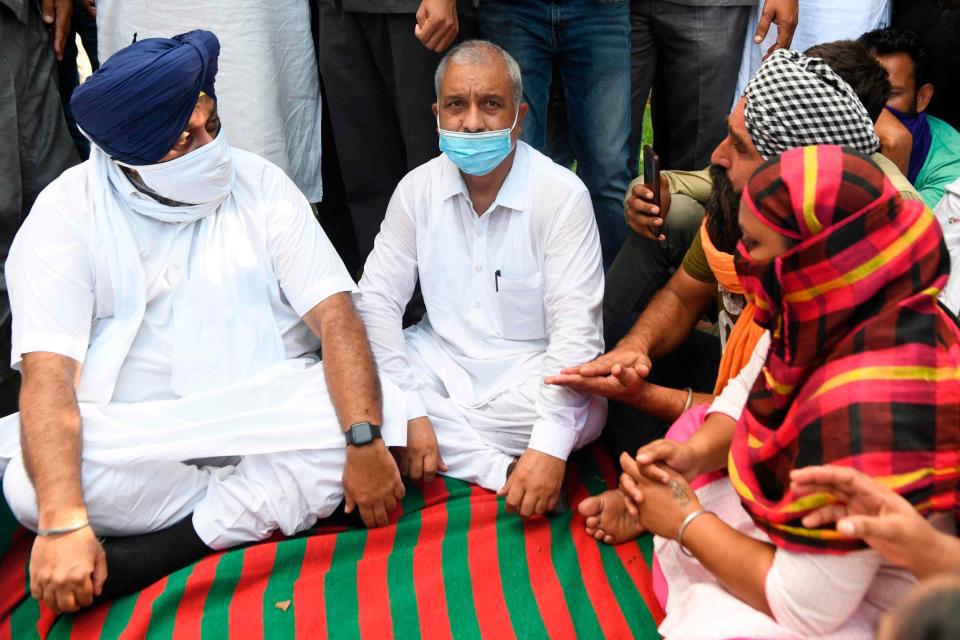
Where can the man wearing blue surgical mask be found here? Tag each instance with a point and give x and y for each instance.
(506, 250)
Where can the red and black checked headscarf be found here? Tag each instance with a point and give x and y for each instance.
(864, 367)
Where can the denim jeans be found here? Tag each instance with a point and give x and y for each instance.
(590, 41)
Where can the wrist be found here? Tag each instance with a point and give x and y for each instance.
(57, 517)
(933, 550)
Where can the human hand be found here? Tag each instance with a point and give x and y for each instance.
(896, 141)
(679, 456)
(625, 384)
(534, 486)
(783, 13)
(625, 354)
(420, 459)
(56, 14)
(869, 511)
(67, 571)
(642, 216)
(371, 482)
(90, 6)
(657, 505)
(437, 24)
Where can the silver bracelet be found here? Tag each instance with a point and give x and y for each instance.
(67, 529)
(689, 402)
(683, 527)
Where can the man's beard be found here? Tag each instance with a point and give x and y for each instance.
(722, 210)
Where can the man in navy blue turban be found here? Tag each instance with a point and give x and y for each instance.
(169, 297)
(140, 100)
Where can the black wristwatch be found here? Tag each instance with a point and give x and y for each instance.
(362, 433)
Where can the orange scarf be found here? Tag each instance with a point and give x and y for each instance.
(746, 333)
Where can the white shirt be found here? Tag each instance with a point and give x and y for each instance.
(59, 302)
(510, 294)
(948, 214)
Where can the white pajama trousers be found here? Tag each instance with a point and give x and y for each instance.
(478, 443)
(231, 505)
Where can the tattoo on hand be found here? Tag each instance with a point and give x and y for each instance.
(680, 493)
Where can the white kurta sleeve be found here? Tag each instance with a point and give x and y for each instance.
(389, 278)
(733, 398)
(814, 594)
(948, 214)
(307, 266)
(50, 282)
(573, 295)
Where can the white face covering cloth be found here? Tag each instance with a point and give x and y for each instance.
(224, 327)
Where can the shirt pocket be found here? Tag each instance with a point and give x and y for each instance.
(522, 314)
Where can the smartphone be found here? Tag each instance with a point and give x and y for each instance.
(651, 172)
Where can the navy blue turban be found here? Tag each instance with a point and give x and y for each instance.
(140, 100)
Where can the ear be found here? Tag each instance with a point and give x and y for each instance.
(924, 95)
(521, 114)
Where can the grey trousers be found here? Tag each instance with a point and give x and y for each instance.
(691, 58)
(36, 146)
(643, 266)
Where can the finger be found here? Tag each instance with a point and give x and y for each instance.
(552, 502)
(50, 599)
(785, 29)
(505, 489)
(449, 36)
(866, 527)
(62, 29)
(540, 507)
(66, 601)
(529, 505)
(430, 466)
(428, 29)
(349, 504)
(632, 508)
(763, 26)
(84, 592)
(47, 11)
(399, 490)
(630, 489)
(368, 517)
(514, 497)
(416, 466)
(824, 515)
(441, 465)
(629, 465)
(35, 591)
(99, 573)
(380, 515)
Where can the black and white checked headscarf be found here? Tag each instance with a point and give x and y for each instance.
(796, 101)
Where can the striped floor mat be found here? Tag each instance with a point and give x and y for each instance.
(453, 565)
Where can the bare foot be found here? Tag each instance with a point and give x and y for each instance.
(608, 519)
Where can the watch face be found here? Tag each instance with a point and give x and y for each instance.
(361, 433)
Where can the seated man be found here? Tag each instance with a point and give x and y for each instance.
(690, 361)
(169, 296)
(661, 235)
(506, 249)
(935, 155)
(765, 123)
(948, 214)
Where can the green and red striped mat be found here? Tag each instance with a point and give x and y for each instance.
(453, 565)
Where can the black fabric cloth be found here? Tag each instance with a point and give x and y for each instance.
(84, 25)
(135, 562)
(689, 53)
(378, 88)
(36, 145)
(693, 364)
(937, 22)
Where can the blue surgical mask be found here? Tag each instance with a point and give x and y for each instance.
(477, 153)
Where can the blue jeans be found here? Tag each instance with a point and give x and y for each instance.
(590, 39)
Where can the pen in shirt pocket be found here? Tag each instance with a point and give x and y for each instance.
(496, 280)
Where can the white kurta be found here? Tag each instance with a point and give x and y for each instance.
(948, 215)
(268, 92)
(511, 296)
(820, 21)
(279, 417)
